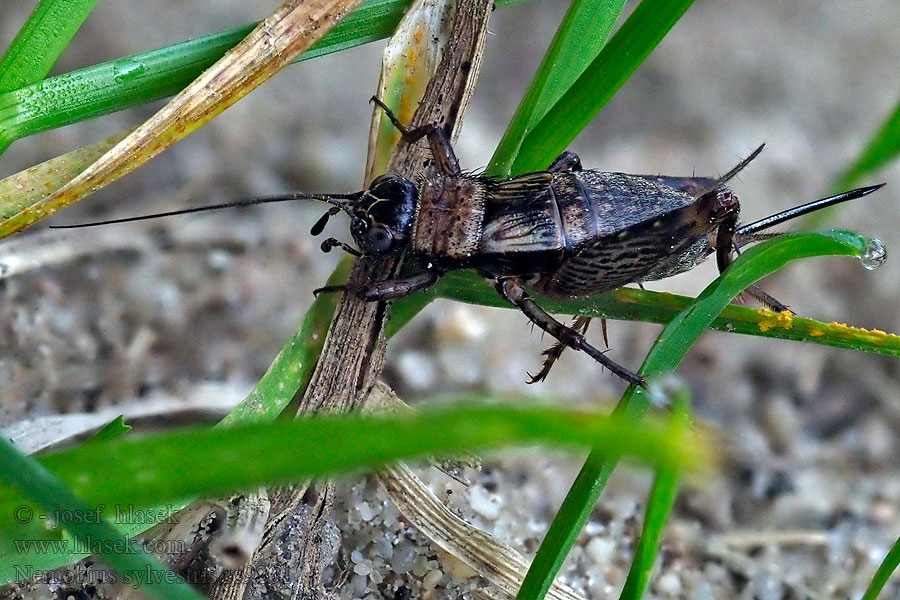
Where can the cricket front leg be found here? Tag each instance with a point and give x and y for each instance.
(390, 289)
(513, 290)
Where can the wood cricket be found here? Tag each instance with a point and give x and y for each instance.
(564, 232)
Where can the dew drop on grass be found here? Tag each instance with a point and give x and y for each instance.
(875, 254)
(127, 70)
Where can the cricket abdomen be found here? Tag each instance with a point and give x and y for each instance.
(625, 227)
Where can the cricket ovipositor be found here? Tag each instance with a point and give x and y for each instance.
(564, 232)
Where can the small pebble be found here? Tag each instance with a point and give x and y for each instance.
(366, 511)
(359, 584)
(483, 503)
(383, 548)
(420, 566)
(600, 551)
(417, 369)
(402, 560)
(431, 579)
(669, 584)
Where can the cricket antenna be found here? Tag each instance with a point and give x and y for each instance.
(339, 201)
(804, 209)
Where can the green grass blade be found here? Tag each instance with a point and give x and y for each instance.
(580, 37)
(659, 505)
(28, 476)
(115, 428)
(657, 307)
(290, 371)
(41, 41)
(152, 470)
(141, 78)
(630, 45)
(884, 572)
(667, 352)
(881, 149)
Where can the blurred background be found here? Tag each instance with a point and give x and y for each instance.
(200, 305)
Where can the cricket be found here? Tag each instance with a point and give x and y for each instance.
(565, 232)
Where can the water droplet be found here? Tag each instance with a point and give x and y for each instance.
(128, 69)
(875, 254)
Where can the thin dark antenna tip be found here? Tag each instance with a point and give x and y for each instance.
(340, 201)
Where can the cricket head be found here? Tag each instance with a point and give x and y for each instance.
(382, 215)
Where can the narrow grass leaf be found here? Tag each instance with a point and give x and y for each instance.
(627, 49)
(579, 38)
(41, 41)
(884, 572)
(659, 506)
(881, 149)
(283, 36)
(33, 480)
(632, 304)
(115, 428)
(170, 466)
(288, 374)
(667, 352)
(141, 78)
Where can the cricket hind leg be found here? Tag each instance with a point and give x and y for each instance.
(725, 245)
(512, 289)
(552, 354)
(438, 139)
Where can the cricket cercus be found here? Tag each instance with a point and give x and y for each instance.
(565, 232)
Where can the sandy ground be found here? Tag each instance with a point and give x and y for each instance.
(806, 505)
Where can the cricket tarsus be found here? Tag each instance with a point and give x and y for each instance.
(329, 289)
(437, 138)
(552, 354)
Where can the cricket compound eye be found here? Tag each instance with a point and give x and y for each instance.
(378, 240)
